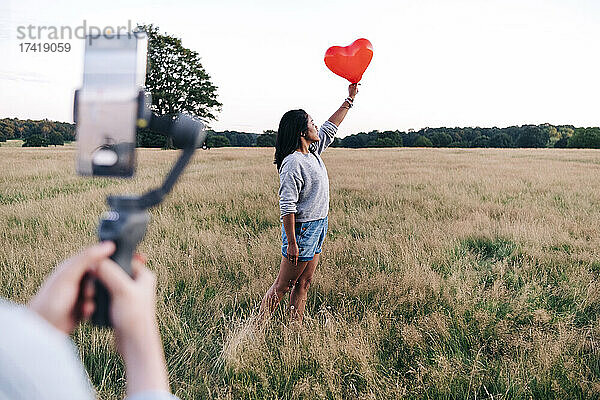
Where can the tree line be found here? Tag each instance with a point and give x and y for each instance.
(47, 133)
(43, 133)
(524, 136)
(37, 133)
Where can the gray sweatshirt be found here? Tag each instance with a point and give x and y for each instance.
(303, 180)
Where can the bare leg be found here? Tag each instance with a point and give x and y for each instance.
(299, 292)
(286, 279)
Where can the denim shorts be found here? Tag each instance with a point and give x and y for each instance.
(309, 236)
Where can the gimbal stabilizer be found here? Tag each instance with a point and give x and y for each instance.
(126, 222)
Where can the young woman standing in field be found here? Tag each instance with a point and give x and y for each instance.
(303, 202)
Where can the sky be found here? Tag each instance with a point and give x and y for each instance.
(436, 62)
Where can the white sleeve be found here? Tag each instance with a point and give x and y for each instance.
(36, 360)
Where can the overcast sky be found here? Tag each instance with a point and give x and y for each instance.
(436, 63)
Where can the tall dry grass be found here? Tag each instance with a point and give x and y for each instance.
(446, 274)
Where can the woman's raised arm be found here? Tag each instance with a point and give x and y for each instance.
(341, 112)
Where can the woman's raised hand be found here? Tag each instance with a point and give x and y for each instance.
(352, 90)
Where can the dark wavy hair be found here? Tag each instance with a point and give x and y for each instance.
(293, 124)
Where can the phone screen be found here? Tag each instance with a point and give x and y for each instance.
(107, 104)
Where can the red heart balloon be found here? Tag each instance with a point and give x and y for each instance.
(350, 62)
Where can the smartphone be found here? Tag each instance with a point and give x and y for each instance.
(106, 106)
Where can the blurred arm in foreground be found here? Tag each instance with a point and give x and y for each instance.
(39, 361)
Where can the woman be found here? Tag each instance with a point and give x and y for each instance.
(303, 202)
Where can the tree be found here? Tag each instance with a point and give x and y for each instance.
(359, 139)
(422, 141)
(217, 141)
(394, 137)
(588, 138)
(55, 139)
(244, 140)
(532, 136)
(33, 128)
(147, 138)
(178, 82)
(35, 141)
(381, 142)
(441, 139)
(565, 132)
(461, 144)
(481, 141)
(562, 143)
(501, 140)
(553, 134)
(266, 140)
(6, 130)
(337, 142)
(352, 141)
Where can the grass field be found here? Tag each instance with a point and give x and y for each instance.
(446, 273)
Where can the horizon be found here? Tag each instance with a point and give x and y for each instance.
(366, 131)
